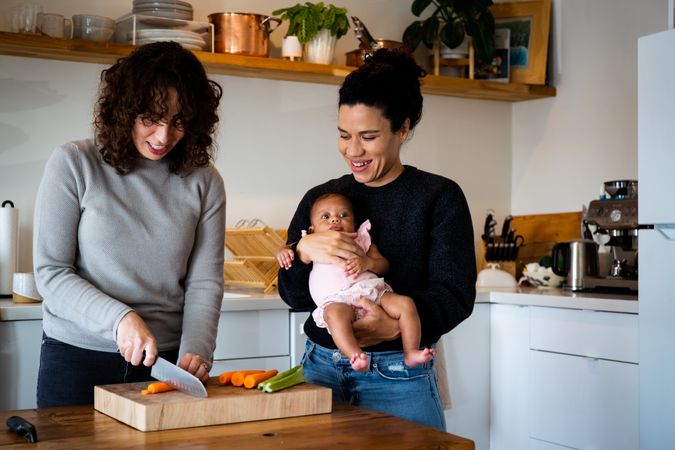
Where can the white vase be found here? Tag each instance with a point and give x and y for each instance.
(461, 51)
(321, 48)
(291, 49)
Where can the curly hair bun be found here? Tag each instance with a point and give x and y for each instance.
(390, 81)
(399, 60)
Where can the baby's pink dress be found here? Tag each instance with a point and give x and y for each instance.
(329, 284)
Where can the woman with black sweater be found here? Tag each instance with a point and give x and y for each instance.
(422, 225)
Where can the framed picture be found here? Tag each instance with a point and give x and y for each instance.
(498, 69)
(528, 22)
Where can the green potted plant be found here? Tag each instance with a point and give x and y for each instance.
(449, 23)
(317, 26)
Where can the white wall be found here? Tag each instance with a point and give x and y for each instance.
(276, 138)
(564, 148)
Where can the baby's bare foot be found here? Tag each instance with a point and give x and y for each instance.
(359, 362)
(417, 357)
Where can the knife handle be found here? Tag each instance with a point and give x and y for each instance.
(22, 427)
(506, 226)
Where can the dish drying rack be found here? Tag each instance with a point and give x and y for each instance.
(253, 246)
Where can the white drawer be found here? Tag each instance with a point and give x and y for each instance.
(252, 334)
(583, 403)
(596, 334)
(536, 444)
(279, 363)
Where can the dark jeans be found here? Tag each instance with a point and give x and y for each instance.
(68, 374)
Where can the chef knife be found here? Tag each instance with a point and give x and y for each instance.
(506, 227)
(487, 226)
(181, 379)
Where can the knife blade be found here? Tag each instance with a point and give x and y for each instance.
(181, 379)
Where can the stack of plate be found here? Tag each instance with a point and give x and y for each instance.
(188, 39)
(170, 9)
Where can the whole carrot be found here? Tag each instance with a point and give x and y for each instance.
(156, 388)
(226, 377)
(239, 376)
(252, 380)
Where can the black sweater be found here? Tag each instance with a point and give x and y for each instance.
(421, 224)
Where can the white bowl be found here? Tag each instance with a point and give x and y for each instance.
(493, 277)
(95, 34)
(89, 20)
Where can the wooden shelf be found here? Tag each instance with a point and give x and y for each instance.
(15, 44)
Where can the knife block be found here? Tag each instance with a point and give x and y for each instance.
(540, 232)
(481, 262)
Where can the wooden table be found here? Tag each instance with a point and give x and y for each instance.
(81, 427)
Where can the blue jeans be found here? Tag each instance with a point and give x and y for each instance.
(68, 374)
(388, 386)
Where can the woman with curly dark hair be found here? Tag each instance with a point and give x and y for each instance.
(129, 231)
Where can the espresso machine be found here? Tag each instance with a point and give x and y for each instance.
(615, 214)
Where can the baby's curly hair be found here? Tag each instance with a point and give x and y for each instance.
(138, 85)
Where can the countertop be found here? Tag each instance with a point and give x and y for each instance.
(255, 300)
(239, 299)
(560, 298)
(81, 427)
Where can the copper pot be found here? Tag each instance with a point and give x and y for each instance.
(242, 33)
(355, 57)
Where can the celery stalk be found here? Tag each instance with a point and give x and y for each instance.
(283, 380)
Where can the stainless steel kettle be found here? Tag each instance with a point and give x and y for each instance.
(575, 260)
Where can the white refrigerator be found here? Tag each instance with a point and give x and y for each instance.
(656, 247)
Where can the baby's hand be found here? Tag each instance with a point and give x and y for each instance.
(355, 266)
(285, 257)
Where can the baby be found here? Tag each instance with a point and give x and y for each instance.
(336, 288)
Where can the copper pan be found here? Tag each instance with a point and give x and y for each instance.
(242, 33)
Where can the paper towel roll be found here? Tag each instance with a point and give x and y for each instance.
(9, 246)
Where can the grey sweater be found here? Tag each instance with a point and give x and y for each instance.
(150, 241)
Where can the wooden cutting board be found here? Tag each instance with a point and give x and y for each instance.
(225, 404)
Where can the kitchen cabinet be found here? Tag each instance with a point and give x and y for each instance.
(20, 342)
(467, 359)
(536, 444)
(562, 371)
(563, 376)
(15, 44)
(584, 378)
(252, 340)
(509, 377)
(581, 402)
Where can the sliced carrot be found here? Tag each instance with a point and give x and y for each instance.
(239, 376)
(252, 380)
(156, 388)
(226, 377)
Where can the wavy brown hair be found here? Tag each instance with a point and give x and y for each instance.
(138, 85)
